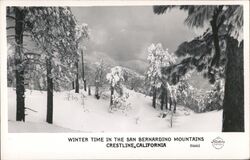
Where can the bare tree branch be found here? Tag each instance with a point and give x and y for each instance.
(11, 17)
(11, 27)
(13, 36)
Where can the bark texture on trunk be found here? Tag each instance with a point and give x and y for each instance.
(83, 73)
(233, 103)
(85, 85)
(174, 105)
(170, 103)
(111, 97)
(20, 89)
(77, 78)
(166, 99)
(89, 91)
(163, 95)
(154, 97)
(97, 90)
(49, 118)
(216, 58)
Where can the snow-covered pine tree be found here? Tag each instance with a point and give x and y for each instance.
(17, 14)
(115, 79)
(118, 99)
(53, 30)
(82, 33)
(157, 58)
(17, 19)
(99, 77)
(226, 25)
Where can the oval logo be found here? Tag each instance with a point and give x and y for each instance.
(218, 143)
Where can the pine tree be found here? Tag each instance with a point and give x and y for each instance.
(53, 29)
(158, 58)
(206, 53)
(82, 33)
(99, 77)
(115, 79)
(17, 15)
(20, 89)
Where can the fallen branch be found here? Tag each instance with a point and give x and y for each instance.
(30, 109)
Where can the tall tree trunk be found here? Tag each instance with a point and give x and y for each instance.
(233, 103)
(73, 85)
(97, 90)
(111, 97)
(20, 101)
(215, 29)
(216, 58)
(77, 78)
(89, 91)
(163, 95)
(83, 73)
(170, 103)
(174, 103)
(154, 97)
(85, 85)
(166, 99)
(49, 118)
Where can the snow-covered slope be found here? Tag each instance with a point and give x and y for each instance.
(40, 127)
(74, 113)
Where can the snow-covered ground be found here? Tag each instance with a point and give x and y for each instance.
(72, 113)
(36, 127)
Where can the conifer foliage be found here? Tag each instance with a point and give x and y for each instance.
(56, 34)
(53, 29)
(213, 52)
(157, 58)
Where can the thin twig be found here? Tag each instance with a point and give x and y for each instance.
(30, 109)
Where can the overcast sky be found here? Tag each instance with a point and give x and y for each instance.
(123, 33)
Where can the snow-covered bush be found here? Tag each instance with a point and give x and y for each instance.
(214, 98)
(118, 99)
(104, 95)
(104, 92)
(115, 77)
(70, 96)
(82, 98)
(203, 101)
(120, 103)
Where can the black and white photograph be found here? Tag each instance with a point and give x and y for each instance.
(126, 69)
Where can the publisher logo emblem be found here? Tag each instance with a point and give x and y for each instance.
(218, 143)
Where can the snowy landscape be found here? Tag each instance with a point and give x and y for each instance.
(93, 116)
(125, 69)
